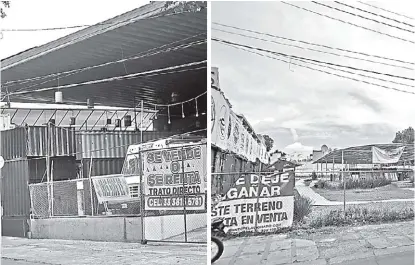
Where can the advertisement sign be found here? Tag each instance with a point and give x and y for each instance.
(214, 77)
(111, 188)
(220, 122)
(261, 203)
(228, 132)
(381, 156)
(175, 178)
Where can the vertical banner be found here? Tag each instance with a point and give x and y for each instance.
(261, 203)
(227, 130)
(166, 187)
(220, 122)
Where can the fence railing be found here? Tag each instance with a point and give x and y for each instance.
(169, 195)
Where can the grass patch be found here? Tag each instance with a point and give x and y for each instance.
(376, 194)
(353, 184)
(361, 215)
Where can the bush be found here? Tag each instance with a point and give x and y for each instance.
(353, 184)
(302, 207)
(359, 214)
(314, 176)
(366, 183)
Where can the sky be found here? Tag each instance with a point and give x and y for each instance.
(302, 109)
(46, 14)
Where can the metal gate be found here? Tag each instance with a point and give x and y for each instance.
(173, 194)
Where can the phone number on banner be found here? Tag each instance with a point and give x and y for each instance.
(167, 203)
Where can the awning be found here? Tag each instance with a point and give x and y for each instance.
(161, 41)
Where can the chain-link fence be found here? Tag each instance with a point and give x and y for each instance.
(74, 198)
(171, 200)
(173, 194)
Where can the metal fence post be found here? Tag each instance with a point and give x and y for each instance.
(90, 186)
(184, 198)
(142, 197)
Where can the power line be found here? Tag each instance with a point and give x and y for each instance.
(349, 23)
(313, 44)
(145, 73)
(375, 14)
(386, 10)
(138, 56)
(356, 15)
(311, 49)
(313, 60)
(319, 70)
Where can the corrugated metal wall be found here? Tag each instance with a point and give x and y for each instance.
(31, 141)
(62, 141)
(14, 188)
(102, 166)
(13, 143)
(111, 144)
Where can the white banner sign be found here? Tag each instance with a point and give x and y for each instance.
(258, 203)
(111, 188)
(381, 156)
(175, 178)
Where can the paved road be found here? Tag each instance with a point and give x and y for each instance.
(403, 258)
(371, 244)
(12, 262)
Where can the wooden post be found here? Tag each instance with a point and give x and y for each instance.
(344, 185)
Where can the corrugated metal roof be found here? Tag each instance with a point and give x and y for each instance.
(363, 154)
(105, 43)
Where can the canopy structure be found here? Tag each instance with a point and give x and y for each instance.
(162, 53)
(80, 117)
(363, 154)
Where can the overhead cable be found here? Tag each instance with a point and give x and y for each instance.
(311, 49)
(313, 60)
(395, 13)
(319, 70)
(349, 23)
(313, 44)
(357, 15)
(375, 14)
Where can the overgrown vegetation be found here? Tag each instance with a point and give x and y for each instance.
(353, 184)
(361, 215)
(302, 207)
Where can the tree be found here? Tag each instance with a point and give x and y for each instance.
(269, 142)
(405, 136)
(5, 4)
(184, 6)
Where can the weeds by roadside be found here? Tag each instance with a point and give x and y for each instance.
(302, 207)
(353, 184)
(361, 215)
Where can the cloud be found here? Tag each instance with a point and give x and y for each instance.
(298, 148)
(295, 104)
(295, 135)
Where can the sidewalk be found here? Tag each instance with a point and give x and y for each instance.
(326, 246)
(69, 252)
(319, 200)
